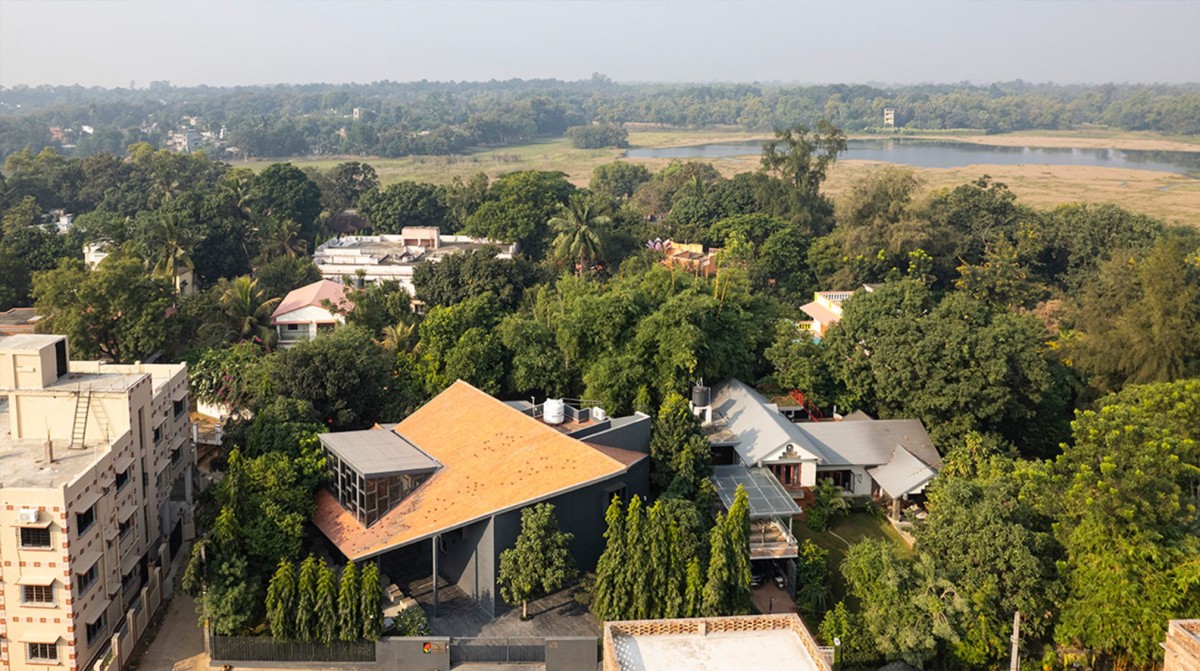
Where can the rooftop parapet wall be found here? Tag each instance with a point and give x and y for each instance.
(1182, 646)
(712, 625)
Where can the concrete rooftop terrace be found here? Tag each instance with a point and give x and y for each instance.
(778, 650)
(779, 642)
(23, 463)
(355, 250)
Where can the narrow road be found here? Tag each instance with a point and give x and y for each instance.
(179, 644)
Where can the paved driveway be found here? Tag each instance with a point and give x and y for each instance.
(179, 643)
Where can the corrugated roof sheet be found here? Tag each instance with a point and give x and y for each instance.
(741, 412)
(493, 459)
(867, 442)
(902, 474)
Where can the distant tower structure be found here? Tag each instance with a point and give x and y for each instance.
(357, 113)
(889, 117)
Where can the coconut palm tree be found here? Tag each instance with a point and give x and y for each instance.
(398, 338)
(247, 310)
(281, 237)
(166, 247)
(578, 235)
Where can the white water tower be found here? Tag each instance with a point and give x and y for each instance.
(553, 411)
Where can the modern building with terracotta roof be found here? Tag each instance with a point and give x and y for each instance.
(303, 313)
(452, 478)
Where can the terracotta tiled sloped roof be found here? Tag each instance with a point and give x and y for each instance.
(314, 294)
(493, 458)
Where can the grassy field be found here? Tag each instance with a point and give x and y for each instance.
(844, 532)
(1170, 197)
(1173, 198)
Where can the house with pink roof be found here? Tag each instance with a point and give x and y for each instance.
(309, 310)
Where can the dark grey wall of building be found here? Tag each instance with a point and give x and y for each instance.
(409, 653)
(572, 654)
(627, 433)
(580, 512)
(469, 560)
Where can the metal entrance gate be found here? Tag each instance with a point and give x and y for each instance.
(498, 650)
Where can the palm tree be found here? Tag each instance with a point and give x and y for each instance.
(397, 338)
(237, 188)
(578, 232)
(247, 309)
(166, 247)
(282, 238)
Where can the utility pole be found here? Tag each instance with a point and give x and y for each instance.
(1015, 663)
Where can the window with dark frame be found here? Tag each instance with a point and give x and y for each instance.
(33, 537)
(84, 521)
(96, 629)
(37, 594)
(180, 406)
(41, 652)
(122, 479)
(85, 580)
(123, 528)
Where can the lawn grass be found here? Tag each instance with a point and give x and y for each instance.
(845, 531)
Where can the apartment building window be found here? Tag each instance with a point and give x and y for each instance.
(42, 652)
(122, 479)
(131, 579)
(125, 527)
(158, 434)
(180, 407)
(96, 629)
(32, 537)
(42, 595)
(85, 520)
(85, 580)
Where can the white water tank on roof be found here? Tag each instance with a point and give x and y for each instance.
(553, 411)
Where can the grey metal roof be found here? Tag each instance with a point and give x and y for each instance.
(743, 414)
(768, 498)
(865, 442)
(904, 473)
(378, 452)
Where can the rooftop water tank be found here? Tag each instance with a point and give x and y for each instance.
(553, 411)
(701, 396)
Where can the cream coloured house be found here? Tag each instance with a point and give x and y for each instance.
(96, 465)
(305, 312)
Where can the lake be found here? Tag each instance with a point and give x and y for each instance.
(941, 154)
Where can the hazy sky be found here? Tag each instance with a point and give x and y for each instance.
(220, 42)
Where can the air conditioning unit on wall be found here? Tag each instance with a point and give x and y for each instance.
(27, 516)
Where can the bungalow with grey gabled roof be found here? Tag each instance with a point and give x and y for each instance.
(891, 459)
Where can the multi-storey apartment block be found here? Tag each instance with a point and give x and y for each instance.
(96, 467)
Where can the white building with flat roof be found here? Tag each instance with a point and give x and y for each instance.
(96, 466)
(776, 642)
(394, 257)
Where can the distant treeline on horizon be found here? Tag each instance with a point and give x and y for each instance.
(436, 118)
